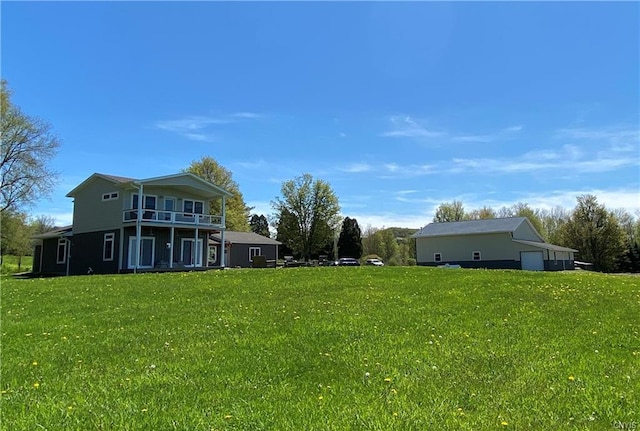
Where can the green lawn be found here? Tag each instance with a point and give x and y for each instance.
(14, 264)
(368, 348)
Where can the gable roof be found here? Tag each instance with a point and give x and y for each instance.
(468, 227)
(184, 179)
(234, 237)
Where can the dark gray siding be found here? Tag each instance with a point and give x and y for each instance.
(486, 264)
(49, 254)
(240, 254)
(87, 252)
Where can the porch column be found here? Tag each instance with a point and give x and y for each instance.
(138, 228)
(171, 247)
(222, 246)
(195, 250)
(223, 222)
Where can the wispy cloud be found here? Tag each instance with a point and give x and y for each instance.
(198, 127)
(408, 127)
(356, 168)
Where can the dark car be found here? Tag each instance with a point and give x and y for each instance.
(348, 261)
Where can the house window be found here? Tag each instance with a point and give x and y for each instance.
(148, 202)
(476, 255)
(110, 196)
(107, 249)
(437, 257)
(213, 255)
(254, 251)
(193, 207)
(61, 256)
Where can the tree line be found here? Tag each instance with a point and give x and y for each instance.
(306, 217)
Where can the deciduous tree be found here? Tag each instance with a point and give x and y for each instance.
(28, 145)
(448, 212)
(595, 233)
(308, 211)
(237, 212)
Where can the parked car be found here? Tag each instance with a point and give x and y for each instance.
(348, 261)
(374, 262)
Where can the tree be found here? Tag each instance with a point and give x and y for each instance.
(595, 233)
(42, 224)
(371, 242)
(15, 236)
(481, 214)
(237, 212)
(552, 223)
(350, 240)
(447, 212)
(259, 225)
(28, 145)
(389, 244)
(309, 212)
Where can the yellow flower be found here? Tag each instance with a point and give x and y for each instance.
(228, 417)
(36, 385)
(504, 423)
(387, 380)
(34, 363)
(571, 378)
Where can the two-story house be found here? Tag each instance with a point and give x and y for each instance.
(130, 225)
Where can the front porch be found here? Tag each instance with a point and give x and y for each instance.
(164, 249)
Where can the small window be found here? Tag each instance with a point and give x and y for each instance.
(437, 257)
(61, 256)
(107, 250)
(111, 196)
(254, 251)
(476, 255)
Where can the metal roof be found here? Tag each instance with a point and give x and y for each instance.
(59, 232)
(544, 245)
(509, 224)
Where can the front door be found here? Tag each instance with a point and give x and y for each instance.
(147, 251)
(191, 252)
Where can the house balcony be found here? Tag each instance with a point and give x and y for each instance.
(174, 218)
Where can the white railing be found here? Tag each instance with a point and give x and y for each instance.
(172, 217)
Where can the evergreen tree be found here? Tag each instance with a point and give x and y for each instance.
(259, 225)
(350, 240)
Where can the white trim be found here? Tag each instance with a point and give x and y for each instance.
(193, 201)
(110, 196)
(473, 256)
(108, 237)
(197, 253)
(253, 249)
(135, 262)
(61, 242)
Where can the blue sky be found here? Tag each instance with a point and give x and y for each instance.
(398, 106)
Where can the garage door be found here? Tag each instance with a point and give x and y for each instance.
(532, 260)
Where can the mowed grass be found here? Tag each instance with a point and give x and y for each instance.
(393, 348)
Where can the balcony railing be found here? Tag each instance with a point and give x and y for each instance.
(172, 217)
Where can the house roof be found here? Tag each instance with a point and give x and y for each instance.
(234, 237)
(467, 227)
(184, 179)
(58, 232)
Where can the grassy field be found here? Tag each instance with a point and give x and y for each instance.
(10, 264)
(392, 348)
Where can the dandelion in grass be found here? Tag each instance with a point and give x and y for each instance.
(571, 378)
(34, 363)
(504, 423)
(36, 385)
(387, 380)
